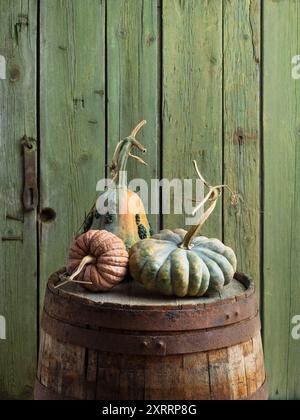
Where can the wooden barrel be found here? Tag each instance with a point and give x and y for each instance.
(130, 344)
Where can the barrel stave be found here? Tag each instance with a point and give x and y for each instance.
(82, 358)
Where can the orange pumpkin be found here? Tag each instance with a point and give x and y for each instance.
(98, 259)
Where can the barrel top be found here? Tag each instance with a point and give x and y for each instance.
(132, 295)
(131, 307)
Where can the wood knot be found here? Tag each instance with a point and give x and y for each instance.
(79, 102)
(47, 215)
(23, 21)
(122, 33)
(99, 92)
(150, 39)
(83, 157)
(240, 137)
(14, 74)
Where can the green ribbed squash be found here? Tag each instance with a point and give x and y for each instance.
(159, 264)
(181, 263)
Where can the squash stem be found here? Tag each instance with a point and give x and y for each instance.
(119, 162)
(123, 152)
(212, 196)
(89, 259)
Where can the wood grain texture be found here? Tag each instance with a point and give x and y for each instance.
(133, 80)
(139, 362)
(217, 375)
(63, 360)
(72, 120)
(250, 366)
(192, 96)
(161, 54)
(18, 279)
(134, 294)
(237, 373)
(282, 196)
(241, 115)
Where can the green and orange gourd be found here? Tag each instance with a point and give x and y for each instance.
(125, 216)
(182, 263)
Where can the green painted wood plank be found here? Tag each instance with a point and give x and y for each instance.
(282, 196)
(192, 96)
(133, 79)
(72, 111)
(18, 281)
(242, 132)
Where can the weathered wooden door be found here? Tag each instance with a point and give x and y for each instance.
(215, 81)
(18, 229)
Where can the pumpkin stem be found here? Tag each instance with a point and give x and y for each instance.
(122, 152)
(119, 162)
(213, 194)
(133, 136)
(85, 261)
(138, 159)
(137, 128)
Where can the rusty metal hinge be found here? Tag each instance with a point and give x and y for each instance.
(30, 192)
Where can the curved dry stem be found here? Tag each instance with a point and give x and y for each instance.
(114, 163)
(199, 173)
(234, 195)
(133, 139)
(138, 159)
(85, 261)
(212, 196)
(119, 160)
(137, 128)
(203, 202)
